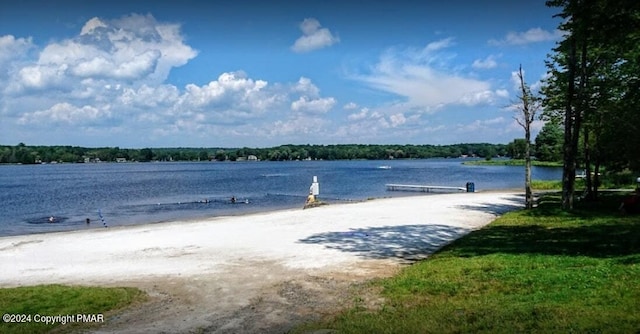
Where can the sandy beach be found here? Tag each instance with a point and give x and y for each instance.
(254, 273)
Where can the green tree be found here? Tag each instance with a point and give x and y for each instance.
(220, 155)
(203, 155)
(23, 155)
(517, 148)
(548, 142)
(488, 152)
(146, 154)
(593, 85)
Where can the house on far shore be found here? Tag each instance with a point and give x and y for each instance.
(252, 158)
(88, 160)
(121, 159)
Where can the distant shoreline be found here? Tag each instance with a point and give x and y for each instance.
(511, 162)
(25, 154)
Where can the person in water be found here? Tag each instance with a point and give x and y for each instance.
(233, 200)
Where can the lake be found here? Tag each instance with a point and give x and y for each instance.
(116, 194)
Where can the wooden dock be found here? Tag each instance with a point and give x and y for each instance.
(422, 188)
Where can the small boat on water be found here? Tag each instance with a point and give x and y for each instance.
(384, 167)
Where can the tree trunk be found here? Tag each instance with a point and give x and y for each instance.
(527, 170)
(528, 112)
(587, 166)
(569, 156)
(596, 180)
(582, 113)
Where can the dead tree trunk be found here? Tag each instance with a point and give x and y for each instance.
(528, 106)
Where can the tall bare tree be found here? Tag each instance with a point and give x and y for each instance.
(527, 108)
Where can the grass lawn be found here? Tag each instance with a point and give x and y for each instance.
(538, 271)
(35, 302)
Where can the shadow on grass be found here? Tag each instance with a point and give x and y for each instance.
(408, 242)
(599, 241)
(593, 228)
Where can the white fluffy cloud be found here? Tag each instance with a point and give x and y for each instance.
(425, 79)
(381, 124)
(134, 48)
(482, 127)
(321, 105)
(533, 35)
(147, 97)
(40, 77)
(12, 48)
(112, 76)
(306, 87)
(310, 100)
(485, 64)
(397, 119)
(231, 89)
(65, 113)
(294, 127)
(483, 97)
(313, 37)
(350, 106)
(362, 114)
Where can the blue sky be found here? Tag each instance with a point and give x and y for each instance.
(264, 73)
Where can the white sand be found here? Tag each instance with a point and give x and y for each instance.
(325, 237)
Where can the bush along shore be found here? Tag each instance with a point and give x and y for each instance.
(538, 271)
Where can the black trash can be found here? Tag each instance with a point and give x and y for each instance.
(471, 187)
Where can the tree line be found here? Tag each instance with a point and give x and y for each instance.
(593, 89)
(25, 154)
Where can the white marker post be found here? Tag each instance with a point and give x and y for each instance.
(315, 187)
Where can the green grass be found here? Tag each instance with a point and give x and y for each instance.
(606, 183)
(511, 162)
(52, 300)
(538, 271)
(547, 184)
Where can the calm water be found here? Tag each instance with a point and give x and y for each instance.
(137, 193)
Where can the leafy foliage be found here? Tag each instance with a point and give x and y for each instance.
(549, 142)
(593, 88)
(517, 148)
